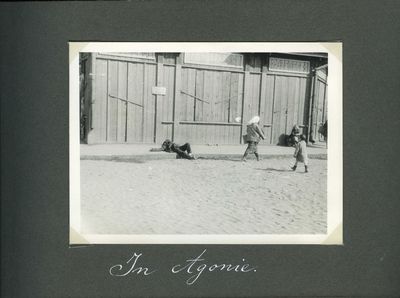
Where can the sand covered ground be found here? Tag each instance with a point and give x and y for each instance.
(205, 196)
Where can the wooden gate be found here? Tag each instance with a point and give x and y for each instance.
(207, 103)
(123, 105)
(286, 105)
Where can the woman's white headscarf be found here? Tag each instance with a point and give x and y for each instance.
(255, 119)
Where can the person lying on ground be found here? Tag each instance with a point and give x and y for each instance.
(184, 151)
(254, 133)
(301, 153)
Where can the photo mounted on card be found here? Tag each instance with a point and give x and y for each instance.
(206, 143)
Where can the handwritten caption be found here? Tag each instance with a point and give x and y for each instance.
(192, 268)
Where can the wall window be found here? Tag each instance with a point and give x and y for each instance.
(215, 59)
(288, 65)
(149, 56)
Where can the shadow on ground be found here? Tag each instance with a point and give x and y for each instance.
(274, 170)
(231, 157)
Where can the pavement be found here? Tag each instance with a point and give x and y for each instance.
(115, 151)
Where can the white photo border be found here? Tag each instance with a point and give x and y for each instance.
(334, 235)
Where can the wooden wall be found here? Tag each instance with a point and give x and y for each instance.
(201, 102)
(319, 107)
(123, 105)
(208, 103)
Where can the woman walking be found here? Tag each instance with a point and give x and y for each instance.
(254, 133)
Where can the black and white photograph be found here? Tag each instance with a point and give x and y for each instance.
(205, 143)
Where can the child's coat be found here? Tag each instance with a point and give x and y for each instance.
(301, 152)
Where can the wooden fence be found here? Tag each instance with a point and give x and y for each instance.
(200, 103)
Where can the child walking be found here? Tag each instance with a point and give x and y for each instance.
(254, 133)
(301, 153)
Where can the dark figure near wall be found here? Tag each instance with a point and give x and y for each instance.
(294, 136)
(183, 151)
(325, 130)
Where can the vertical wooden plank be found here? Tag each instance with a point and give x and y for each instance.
(239, 104)
(197, 116)
(202, 134)
(158, 131)
(223, 107)
(199, 93)
(268, 106)
(206, 107)
(130, 115)
(100, 100)
(244, 109)
(171, 93)
(139, 98)
(284, 105)
(98, 97)
(220, 111)
(227, 102)
(263, 97)
(232, 105)
(167, 101)
(144, 103)
(257, 92)
(253, 107)
(190, 104)
(296, 104)
(314, 109)
(301, 106)
(318, 110)
(226, 105)
(195, 107)
(210, 129)
(217, 107)
(290, 86)
(253, 96)
(121, 105)
(321, 106)
(152, 82)
(310, 104)
(112, 107)
(278, 99)
(133, 116)
(135, 97)
(183, 96)
(325, 104)
(177, 96)
(185, 99)
(234, 97)
(135, 112)
(149, 100)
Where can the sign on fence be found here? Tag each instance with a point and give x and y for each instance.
(158, 90)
